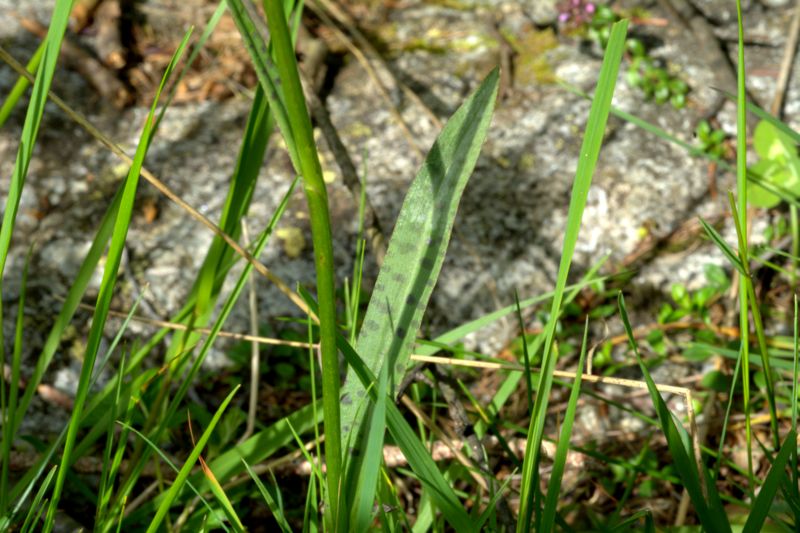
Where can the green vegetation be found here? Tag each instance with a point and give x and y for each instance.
(167, 463)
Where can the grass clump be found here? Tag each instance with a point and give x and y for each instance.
(150, 478)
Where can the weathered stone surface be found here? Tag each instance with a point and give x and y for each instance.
(511, 223)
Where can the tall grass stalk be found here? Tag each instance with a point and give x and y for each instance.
(317, 198)
(741, 194)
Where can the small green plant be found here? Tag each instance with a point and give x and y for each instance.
(710, 141)
(644, 72)
(695, 304)
(778, 165)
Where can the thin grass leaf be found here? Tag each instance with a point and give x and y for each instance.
(219, 494)
(590, 150)
(255, 38)
(559, 461)
(232, 460)
(182, 476)
(724, 247)
(169, 463)
(71, 302)
(776, 477)
(21, 85)
(633, 520)
(37, 507)
(30, 130)
(33, 120)
(9, 411)
(274, 507)
(205, 291)
(107, 472)
(417, 247)
(525, 355)
(679, 444)
(741, 193)
(310, 515)
(765, 115)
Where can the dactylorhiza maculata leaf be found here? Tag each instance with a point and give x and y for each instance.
(417, 249)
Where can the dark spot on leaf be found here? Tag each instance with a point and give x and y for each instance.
(346, 428)
(361, 393)
(346, 399)
(399, 369)
(399, 278)
(427, 262)
(400, 332)
(411, 300)
(355, 452)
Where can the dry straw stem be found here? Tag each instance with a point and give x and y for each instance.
(684, 392)
(161, 187)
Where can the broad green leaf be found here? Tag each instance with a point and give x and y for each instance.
(417, 248)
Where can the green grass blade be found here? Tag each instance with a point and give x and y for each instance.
(727, 251)
(266, 71)
(277, 511)
(33, 120)
(107, 473)
(741, 193)
(679, 444)
(9, 411)
(30, 130)
(71, 302)
(417, 247)
(21, 85)
(177, 485)
(590, 150)
(775, 478)
(765, 115)
(560, 460)
(222, 498)
(317, 198)
(170, 464)
(209, 341)
(106, 289)
(35, 508)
